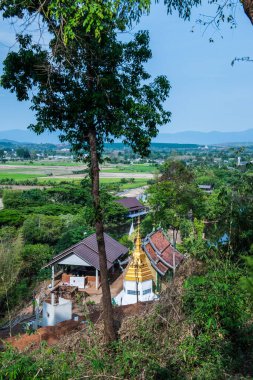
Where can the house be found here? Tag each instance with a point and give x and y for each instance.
(163, 257)
(135, 208)
(206, 188)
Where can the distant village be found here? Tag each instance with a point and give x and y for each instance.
(228, 156)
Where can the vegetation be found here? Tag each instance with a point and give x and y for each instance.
(39, 223)
(93, 89)
(199, 329)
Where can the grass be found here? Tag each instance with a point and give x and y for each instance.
(43, 163)
(128, 186)
(138, 182)
(18, 176)
(137, 168)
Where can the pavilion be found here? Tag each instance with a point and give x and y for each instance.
(81, 261)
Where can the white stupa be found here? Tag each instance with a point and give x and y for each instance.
(138, 281)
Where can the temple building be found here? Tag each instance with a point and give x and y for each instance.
(134, 207)
(138, 279)
(164, 259)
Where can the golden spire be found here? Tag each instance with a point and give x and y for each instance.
(138, 269)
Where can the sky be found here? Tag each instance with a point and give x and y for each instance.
(207, 92)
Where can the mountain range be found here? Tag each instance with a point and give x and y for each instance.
(206, 138)
(186, 137)
(27, 136)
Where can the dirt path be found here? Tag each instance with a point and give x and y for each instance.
(105, 175)
(132, 192)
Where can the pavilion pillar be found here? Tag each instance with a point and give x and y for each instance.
(52, 285)
(96, 279)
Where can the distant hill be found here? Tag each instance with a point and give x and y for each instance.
(186, 137)
(206, 138)
(26, 136)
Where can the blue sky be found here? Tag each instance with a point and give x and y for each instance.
(207, 92)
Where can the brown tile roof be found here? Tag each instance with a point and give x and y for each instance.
(87, 250)
(151, 252)
(131, 203)
(161, 252)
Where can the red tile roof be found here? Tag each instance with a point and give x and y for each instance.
(151, 252)
(159, 240)
(161, 252)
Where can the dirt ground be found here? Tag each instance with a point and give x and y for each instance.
(53, 335)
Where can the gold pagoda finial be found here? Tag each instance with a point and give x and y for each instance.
(138, 268)
(138, 239)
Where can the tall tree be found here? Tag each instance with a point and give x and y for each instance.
(91, 14)
(91, 90)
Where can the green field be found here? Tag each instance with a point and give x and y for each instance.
(18, 176)
(124, 186)
(136, 168)
(43, 163)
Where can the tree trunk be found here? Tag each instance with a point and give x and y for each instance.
(248, 9)
(109, 330)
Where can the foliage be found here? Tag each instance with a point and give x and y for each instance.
(11, 218)
(72, 236)
(203, 336)
(10, 248)
(171, 202)
(230, 211)
(247, 281)
(215, 300)
(193, 239)
(127, 242)
(176, 171)
(218, 309)
(34, 256)
(132, 107)
(42, 229)
(18, 199)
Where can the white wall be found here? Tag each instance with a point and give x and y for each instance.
(77, 281)
(123, 298)
(74, 260)
(53, 314)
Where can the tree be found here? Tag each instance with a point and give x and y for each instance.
(42, 229)
(10, 248)
(176, 171)
(91, 14)
(23, 153)
(92, 90)
(175, 197)
(34, 256)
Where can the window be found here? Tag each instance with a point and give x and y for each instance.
(133, 292)
(147, 291)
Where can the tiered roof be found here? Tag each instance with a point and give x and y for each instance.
(163, 256)
(138, 269)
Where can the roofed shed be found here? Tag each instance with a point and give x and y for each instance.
(85, 256)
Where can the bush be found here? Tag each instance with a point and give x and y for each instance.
(42, 229)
